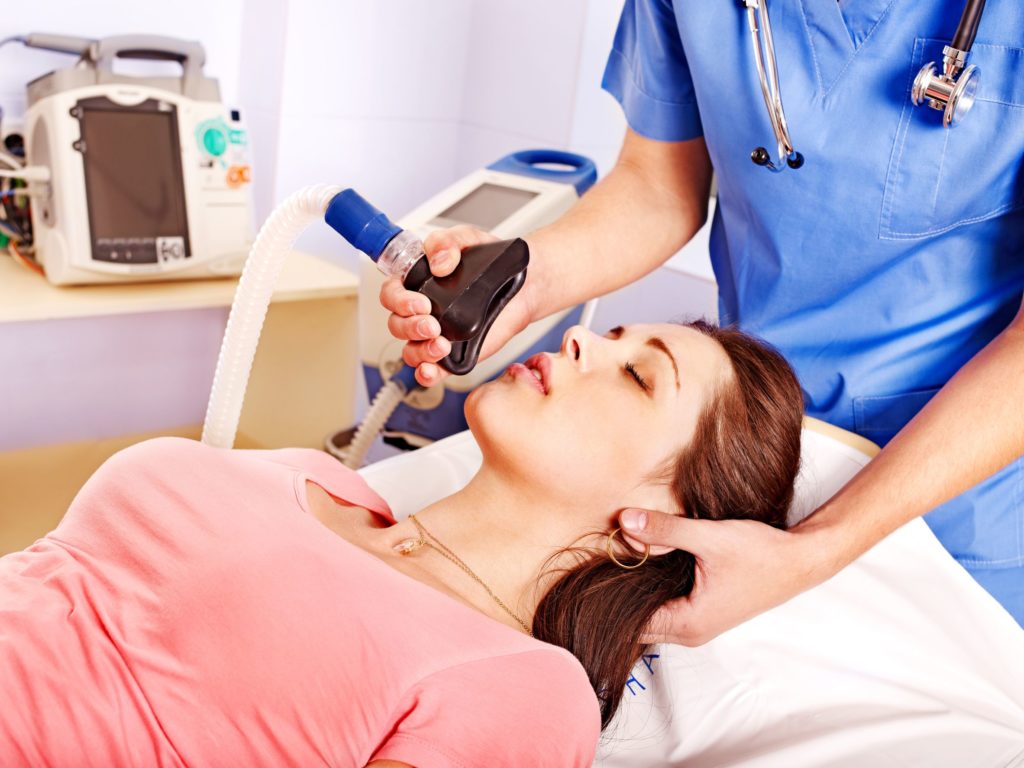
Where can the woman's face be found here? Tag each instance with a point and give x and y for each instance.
(598, 422)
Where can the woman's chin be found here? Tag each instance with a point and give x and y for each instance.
(499, 403)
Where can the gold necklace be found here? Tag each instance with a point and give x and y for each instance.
(408, 546)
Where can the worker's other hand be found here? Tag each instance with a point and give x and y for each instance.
(743, 568)
(410, 319)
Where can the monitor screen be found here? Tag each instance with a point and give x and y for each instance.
(486, 206)
(133, 181)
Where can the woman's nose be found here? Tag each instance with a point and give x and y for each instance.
(576, 345)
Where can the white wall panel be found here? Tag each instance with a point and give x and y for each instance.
(598, 124)
(398, 58)
(523, 59)
(261, 87)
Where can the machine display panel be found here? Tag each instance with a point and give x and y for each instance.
(486, 206)
(133, 181)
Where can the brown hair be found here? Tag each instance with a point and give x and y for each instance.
(741, 463)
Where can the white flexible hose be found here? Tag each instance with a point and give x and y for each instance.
(249, 308)
(388, 398)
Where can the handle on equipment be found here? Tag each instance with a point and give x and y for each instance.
(580, 171)
(189, 53)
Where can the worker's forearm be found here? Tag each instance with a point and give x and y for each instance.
(971, 429)
(631, 222)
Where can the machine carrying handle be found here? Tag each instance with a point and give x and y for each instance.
(189, 53)
(579, 171)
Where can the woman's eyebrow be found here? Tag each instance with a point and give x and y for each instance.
(661, 346)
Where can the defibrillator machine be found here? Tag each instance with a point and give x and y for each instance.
(140, 178)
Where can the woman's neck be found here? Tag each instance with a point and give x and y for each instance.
(506, 533)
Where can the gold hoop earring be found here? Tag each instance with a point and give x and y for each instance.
(611, 554)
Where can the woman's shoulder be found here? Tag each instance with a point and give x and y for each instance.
(341, 482)
(179, 452)
(167, 451)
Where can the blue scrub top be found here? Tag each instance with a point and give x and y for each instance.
(897, 251)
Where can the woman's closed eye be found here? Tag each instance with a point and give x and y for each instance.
(643, 383)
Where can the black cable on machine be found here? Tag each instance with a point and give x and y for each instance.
(16, 220)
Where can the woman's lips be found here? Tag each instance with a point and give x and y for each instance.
(536, 372)
(541, 364)
(519, 371)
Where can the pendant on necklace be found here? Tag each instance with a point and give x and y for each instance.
(408, 546)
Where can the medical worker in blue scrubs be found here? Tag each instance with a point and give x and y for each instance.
(888, 269)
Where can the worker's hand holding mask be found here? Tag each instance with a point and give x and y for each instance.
(410, 319)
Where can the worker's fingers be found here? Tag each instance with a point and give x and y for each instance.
(395, 298)
(666, 532)
(444, 247)
(418, 352)
(429, 374)
(677, 621)
(416, 328)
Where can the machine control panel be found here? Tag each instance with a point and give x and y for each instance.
(223, 152)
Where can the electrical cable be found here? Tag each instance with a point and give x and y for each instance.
(14, 162)
(11, 232)
(24, 260)
(16, 218)
(27, 173)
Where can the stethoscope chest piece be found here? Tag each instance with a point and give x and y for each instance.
(953, 96)
(953, 90)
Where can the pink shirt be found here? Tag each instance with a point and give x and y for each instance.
(190, 610)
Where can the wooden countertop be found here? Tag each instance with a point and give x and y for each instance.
(24, 295)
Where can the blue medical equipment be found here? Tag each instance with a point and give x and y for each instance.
(952, 92)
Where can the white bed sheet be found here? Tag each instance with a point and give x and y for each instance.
(900, 660)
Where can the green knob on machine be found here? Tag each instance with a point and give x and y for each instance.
(215, 141)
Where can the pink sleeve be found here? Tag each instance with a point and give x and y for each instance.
(534, 708)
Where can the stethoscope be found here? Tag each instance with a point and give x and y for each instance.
(951, 92)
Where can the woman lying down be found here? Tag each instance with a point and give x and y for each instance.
(198, 606)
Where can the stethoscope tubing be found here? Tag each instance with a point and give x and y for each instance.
(950, 96)
(768, 77)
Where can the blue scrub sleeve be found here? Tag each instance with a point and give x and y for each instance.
(648, 75)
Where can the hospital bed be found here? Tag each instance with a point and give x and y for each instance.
(899, 660)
